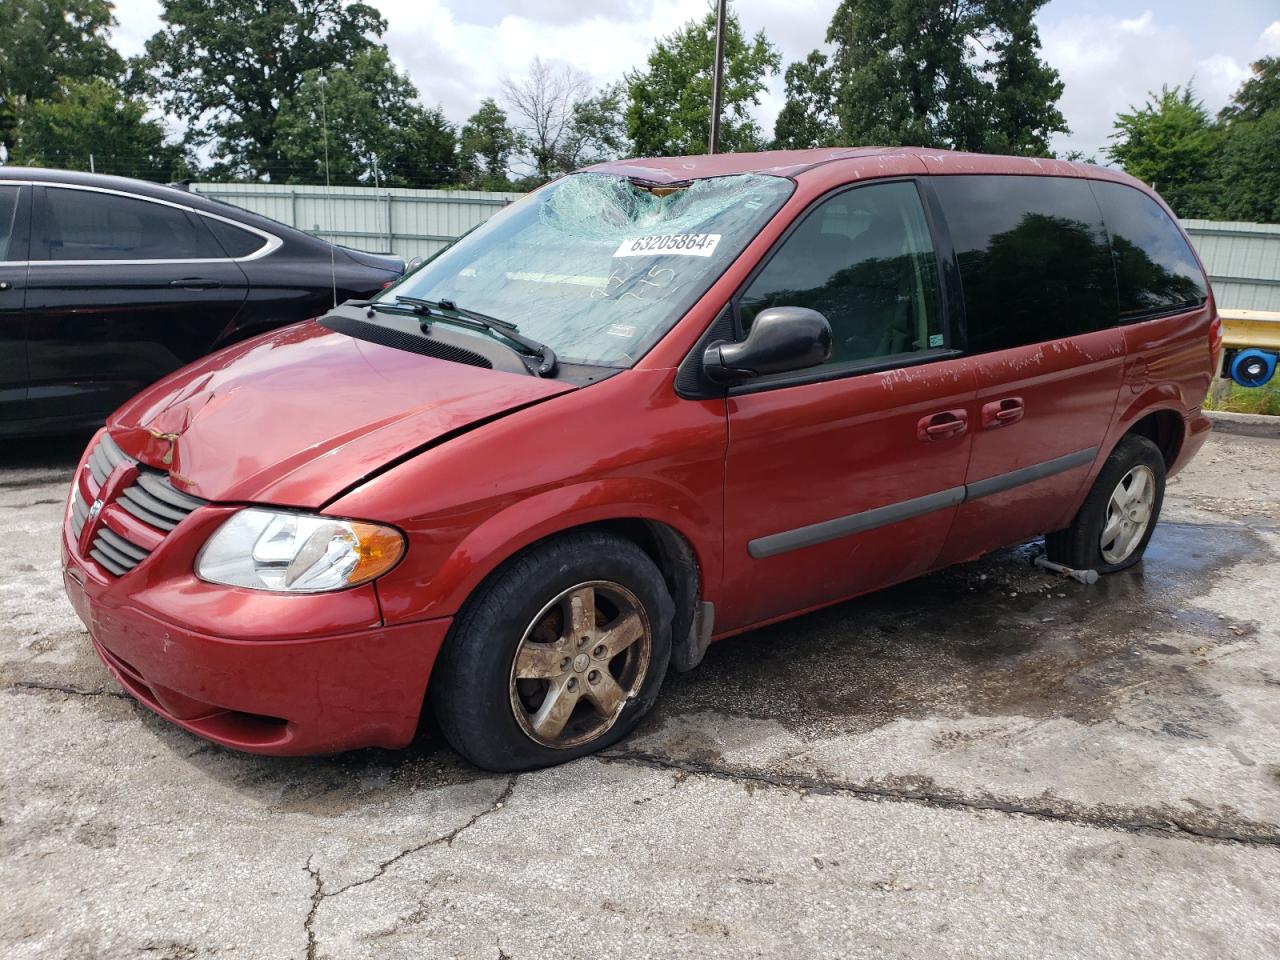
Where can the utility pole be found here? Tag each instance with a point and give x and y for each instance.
(717, 76)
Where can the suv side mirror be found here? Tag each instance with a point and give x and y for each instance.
(780, 340)
(413, 264)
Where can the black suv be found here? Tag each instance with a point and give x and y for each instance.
(107, 284)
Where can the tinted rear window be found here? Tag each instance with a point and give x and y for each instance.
(88, 225)
(1033, 256)
(8, 218)
(1156, 272)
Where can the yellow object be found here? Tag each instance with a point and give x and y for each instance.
(1250, 328)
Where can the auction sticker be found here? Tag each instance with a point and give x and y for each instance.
(669, 244)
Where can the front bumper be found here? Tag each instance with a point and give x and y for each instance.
(261, 672)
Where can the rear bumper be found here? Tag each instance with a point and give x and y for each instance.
(284, 696)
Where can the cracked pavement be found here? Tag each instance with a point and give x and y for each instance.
(987, 762)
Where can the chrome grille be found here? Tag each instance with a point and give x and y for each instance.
(151, 498)
(155, 501)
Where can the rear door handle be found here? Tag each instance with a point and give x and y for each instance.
(1001, 413)
(942, 426)
(195, 283)
(5, 285)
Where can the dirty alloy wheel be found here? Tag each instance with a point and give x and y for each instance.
(558, 654)
(1113, 527)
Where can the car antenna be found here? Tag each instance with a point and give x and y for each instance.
(324, 127)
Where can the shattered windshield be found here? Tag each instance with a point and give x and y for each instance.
(597, 266)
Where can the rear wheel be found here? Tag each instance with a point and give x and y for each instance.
(1114, 526)
(559, 654)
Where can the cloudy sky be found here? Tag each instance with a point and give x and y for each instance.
(1109, 52)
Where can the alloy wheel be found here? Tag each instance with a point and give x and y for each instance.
(580, 661)
(1128, 514)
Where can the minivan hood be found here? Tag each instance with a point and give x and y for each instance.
(296, 416)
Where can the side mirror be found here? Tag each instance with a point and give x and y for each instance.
(413, 264)
(780, 340)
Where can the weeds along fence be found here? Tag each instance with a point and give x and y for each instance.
(1243, 259)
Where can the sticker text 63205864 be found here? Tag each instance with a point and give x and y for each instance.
(669, 244)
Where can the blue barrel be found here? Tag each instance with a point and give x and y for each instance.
(1253, 368)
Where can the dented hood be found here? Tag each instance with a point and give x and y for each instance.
(299, 415)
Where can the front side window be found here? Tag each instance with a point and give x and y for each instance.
(1155, 269)
(1033, 257)
(865, 261)
(8, 218)
(87, 225)
(597, 266)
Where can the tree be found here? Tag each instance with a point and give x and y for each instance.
(596, 131)
(670, 108)
(1171, 143)
(45, 45)
(960, 74)
(486, 144)
(226, 67)
(1248, 186)
(376, 129)
(807, 119)
(94, 118)
(542, 107)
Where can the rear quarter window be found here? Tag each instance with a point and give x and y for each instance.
(1156, 271)
(233, 240)
(1033, 257)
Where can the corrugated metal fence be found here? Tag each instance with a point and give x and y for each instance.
(1243, 259)
(412, 223)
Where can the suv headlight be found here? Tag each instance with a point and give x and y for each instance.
(297, 552)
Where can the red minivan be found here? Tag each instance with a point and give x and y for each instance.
(651, 405)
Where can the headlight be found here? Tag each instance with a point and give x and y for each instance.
(296, 552)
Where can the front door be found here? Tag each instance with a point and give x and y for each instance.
(122, 290)
(14, 201)
(845, 478)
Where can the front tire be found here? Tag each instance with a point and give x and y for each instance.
(558, 654)
(1112, 529)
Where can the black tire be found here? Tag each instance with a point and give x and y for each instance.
(1080, 545)
(471, 684)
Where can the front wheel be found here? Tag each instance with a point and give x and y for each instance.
(558, 654)
(1114, 526)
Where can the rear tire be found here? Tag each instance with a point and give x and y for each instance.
(558, 654)
(1114, 525)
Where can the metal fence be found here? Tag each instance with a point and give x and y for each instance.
(1243, 259)
(412, 223)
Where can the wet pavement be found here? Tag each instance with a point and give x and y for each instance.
(985, 762)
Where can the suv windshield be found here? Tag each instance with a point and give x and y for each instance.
(597, 266)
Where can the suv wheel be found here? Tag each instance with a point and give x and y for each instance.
(558, 654)
(1114, 526)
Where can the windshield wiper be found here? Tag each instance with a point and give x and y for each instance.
(450, 312)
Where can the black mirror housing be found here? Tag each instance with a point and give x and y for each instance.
(780, 340)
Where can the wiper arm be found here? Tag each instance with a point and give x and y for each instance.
(449, 312)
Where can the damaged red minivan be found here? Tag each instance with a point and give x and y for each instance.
(651, 405)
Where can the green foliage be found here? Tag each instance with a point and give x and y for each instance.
(670, 108)
(486, 144)
(1249, 164)
(807, 119)
(1171, 143)
(961, 74)
(94, 117)
(597, 130)
(46, 45)
(374, 123)
(227, 67)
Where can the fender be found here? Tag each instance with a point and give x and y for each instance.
(454, 573)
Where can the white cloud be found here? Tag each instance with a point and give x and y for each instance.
(1270, 39)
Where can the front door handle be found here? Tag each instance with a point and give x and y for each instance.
(942, 426)
(195, 283)
(5, 285)
(1001, 413)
